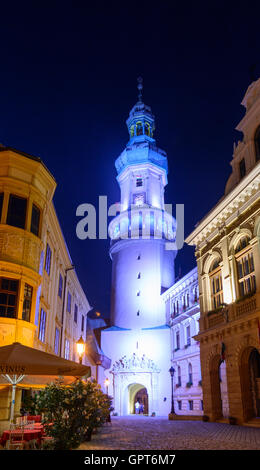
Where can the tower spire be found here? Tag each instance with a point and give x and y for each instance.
(140, 88)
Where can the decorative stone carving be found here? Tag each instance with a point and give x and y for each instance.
(134, 363)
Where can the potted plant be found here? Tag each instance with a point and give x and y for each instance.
(153, 414)
(189, 384)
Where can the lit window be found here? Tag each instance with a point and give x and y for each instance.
(16, 211)
(42, 326)
(132, 131)
(27, 302)
(67, 349)
(216, 285)
(245, 269)
(147, 128)
(8, 297)
(35, 220)
(48, 259)
(57, 341)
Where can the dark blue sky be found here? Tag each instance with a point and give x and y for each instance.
(67, 83)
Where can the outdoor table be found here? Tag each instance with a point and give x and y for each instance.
(28, 435)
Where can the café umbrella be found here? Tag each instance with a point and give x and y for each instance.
(17, 361)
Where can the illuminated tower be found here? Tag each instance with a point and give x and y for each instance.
(142, 251)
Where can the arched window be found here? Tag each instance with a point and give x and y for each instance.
(245, 267)
(216, 285)
(179, 376)
(132, 131)
(139, 128)
(190, 372)
(147, 128)
(257, 144)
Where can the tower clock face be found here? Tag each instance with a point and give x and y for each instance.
(139, 199)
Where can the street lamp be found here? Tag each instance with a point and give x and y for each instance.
(80, 348)
(107, 384)
(172, 370)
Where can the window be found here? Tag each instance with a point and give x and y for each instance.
(69, 302)
(242, 168)
(139, 182)
(139, 276)
(138, 313)
(243, 242)
(177, 340)
(190, 373)
(35, 220)
(1, 204)
(16, 211)
(76, 314)
(60, 286)
(195, 294)
(147, 128)
(67, 349)
(245, 270)
(139, 128)
(138, 293)
(257, 145)
(179, 376)
(42, 326)
(188, 335)
(57, 341)
(139, 199)
(176, 307)
(138, 257)
(27, 302)
(48, 259)
(216, 285)
(179, 404)
(190, 405)
(132, 131)
(201, 405)
(8, 297)
(82, 323)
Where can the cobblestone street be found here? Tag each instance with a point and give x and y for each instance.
(141, 432)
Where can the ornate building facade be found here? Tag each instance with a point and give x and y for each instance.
(227, 243)
(138, 342)
(183, 313)
(42, 304)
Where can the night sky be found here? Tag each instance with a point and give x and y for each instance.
(68, 81)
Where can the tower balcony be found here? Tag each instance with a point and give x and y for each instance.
(143, 222)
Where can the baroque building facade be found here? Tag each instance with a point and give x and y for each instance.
(182, 313)
(227, 244)
(42, 304)
(138, 341)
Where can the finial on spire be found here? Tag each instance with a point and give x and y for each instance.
(140, 88)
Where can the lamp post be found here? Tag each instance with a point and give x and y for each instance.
(106, 384)
(172, 370)
(80, 348)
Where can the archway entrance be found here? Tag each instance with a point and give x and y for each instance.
(250, 383)
(137, 392)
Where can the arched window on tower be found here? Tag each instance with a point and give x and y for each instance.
(139, 128)
(147, 129)
(132, 131)
(257, 144)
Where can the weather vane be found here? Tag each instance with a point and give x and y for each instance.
(140, 88)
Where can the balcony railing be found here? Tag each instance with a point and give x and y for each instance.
(229, 313)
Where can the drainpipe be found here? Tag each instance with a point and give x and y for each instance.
(63, 308)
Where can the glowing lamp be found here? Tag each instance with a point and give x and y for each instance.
(80, 348)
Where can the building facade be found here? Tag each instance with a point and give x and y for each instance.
(227, 243)
(182, 313)
(138, 342)
(42, 304)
